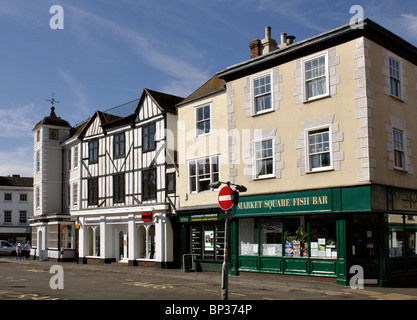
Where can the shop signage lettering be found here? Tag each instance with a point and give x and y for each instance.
(405, 200)
(200, 218)
(294, 202)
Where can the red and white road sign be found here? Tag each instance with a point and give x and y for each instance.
(225, 198)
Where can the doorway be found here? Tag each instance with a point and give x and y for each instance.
(122, 246)
(365, 245)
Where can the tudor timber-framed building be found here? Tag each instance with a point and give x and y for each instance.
(118, 188)
(329, 165)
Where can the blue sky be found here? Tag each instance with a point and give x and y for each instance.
(110, 50)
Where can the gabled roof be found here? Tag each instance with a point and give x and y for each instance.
(105, 119)
(212, 86)
(16, 181)
(165, 102)
(52, 120)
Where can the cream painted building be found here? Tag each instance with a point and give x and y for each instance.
(321, 134)
(203, 159)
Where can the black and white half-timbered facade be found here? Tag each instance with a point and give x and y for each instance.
(121, 191)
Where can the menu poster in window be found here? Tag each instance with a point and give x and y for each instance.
(209, 240)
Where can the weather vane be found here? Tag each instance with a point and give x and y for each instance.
(52, 101)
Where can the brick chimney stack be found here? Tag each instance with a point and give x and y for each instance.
(255, 48)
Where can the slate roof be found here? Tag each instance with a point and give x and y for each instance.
(16, 181)
(212, 86)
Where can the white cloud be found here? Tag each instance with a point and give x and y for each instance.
(156, 53)
(17, 161)
(409, 24)
(18, 122)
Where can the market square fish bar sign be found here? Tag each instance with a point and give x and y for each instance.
(317, 201)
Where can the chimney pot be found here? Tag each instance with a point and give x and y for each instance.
(283, 38)
(290, 39)
(268, 32)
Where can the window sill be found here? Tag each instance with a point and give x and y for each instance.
(323, 96)
(265, 177)
(259, 113)
(398, 169)
(397, 98)
(320, 170)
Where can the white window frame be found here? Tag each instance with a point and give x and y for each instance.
(397, 60)
(75, 194)
(309, 131)
(198, 133)
(38, 161)
(37, 198)
(75, 164)
(256, 175)
(69, 159)
(271, 92)
(394, 149)
(190, 191)
(304, 80)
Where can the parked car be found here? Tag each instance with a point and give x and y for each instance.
(6, 248)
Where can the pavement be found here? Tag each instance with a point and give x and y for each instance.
(319, 286)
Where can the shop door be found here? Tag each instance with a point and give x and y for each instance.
(365, 246)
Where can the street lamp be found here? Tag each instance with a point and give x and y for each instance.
(227, 217)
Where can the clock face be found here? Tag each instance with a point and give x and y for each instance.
(53, 134)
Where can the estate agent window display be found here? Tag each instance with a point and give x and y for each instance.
(290, 236)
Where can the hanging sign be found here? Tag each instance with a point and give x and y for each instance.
(147, 216)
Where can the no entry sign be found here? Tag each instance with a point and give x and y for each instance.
(225, 198)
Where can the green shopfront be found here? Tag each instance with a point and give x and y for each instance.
(326, 232)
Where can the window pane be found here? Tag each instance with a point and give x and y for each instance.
(323, 236)
(395, 235)
(271, 237)
(295, 237)
(248, 237)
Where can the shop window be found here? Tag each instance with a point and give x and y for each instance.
(34, 237)
(207, 241)
(271, 236)
(402, 234)
(295, 237)
(146, 242)
(323, 236)
(93, 241)
(142, 242)
(53, 236)
(248, 237)
(66, 236)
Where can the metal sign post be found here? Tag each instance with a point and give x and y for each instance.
(225, 273)
(227, 199)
